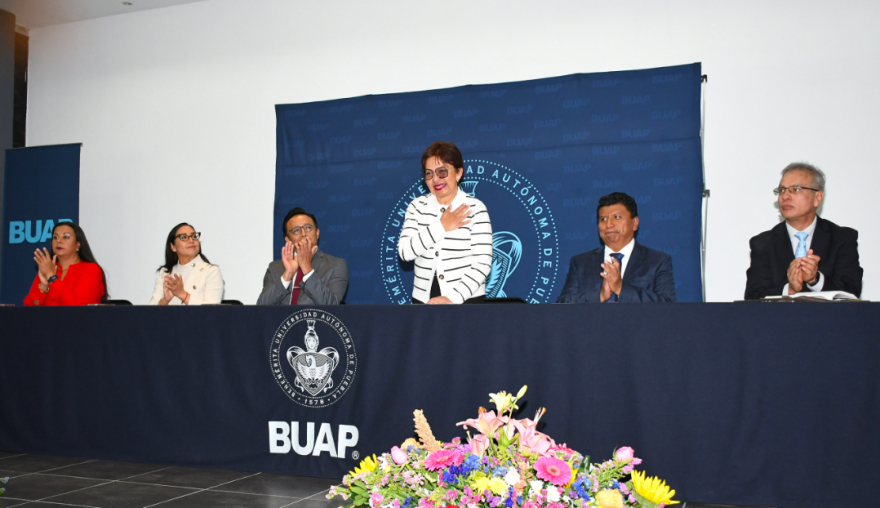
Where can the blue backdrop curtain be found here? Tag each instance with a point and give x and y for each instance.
(538, 153)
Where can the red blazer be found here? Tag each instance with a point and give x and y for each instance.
(83, 285)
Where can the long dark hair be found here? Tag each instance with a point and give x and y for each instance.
(85, 252)
(170, 255)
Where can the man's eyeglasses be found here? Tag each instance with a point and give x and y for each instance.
(184, 237)
(441, 173)
(794, 189)
(298, 230)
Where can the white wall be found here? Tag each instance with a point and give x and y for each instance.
(174, 106)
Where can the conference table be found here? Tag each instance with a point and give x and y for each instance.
(746, 403)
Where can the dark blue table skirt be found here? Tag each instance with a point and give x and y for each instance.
(748, 403)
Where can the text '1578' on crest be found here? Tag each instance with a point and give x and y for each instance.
(313, 377)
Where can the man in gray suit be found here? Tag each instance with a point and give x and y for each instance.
(305, 275)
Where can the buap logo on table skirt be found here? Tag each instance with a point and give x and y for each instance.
(313, 358)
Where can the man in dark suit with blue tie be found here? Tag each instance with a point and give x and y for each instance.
(805, 253)
(623, 270)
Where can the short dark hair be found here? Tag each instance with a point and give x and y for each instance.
(291, 214)
(618, 197)
(446, 151)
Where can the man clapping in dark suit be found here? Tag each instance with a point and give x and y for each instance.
(806, 252)
(623, 270)
(304, 275)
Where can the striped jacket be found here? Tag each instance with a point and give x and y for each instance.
(461, 258)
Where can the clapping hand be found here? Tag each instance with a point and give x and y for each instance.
(802, 270)
(167, 295)
(45, 264)
(174, 285)
(613, 283)
(437, 300)
(305, 252)
(291, 265)
(454, 219)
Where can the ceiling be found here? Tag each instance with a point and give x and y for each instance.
(38, 13)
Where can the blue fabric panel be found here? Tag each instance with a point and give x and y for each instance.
(538, 153)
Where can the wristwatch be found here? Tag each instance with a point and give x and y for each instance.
(52, 279)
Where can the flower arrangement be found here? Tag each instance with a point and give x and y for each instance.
(507, 463)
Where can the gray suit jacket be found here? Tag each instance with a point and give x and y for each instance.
(326, 287)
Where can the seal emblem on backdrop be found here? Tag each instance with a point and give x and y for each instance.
(313, 377)
(524, 238)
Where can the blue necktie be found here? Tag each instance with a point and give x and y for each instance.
(801, 250)
(619, 257)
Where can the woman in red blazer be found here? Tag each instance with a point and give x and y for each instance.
(71, 276)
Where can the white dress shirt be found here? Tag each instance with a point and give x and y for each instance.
(627, 251)
(286, 283)
(795, 241)
(202, 280)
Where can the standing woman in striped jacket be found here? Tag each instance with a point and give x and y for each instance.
(447, 233)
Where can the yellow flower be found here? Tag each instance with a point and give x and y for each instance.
(497, 486)
(367, 465)
(481, 484)
(652, 488)
(610, 499)
(574, 475)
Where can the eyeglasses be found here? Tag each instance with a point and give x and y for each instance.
(794, 189)
(298, 230)
(441, 173)
(184, 237)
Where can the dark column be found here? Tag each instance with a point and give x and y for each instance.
(7, 96)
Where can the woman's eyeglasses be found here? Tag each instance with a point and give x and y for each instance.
(441, 173)
(184, 237)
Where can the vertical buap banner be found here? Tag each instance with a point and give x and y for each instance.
(41, 189)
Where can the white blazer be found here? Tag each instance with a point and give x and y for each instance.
(201, 280)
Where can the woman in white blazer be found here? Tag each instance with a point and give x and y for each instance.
(447, 233)
(187, 277)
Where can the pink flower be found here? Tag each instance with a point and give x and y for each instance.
(625, 453)
(479, 444)
(508, 427)
(487, 423)
(399, 456)
(553, 470)
(532, 441)
(443, 458)
(564, 449)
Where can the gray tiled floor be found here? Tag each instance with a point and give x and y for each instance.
(38, 481)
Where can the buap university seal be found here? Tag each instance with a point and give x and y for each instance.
(315, 376)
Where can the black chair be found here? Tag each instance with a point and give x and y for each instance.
(230, 302)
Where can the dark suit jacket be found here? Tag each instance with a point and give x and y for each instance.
(837, 248)
(648, 277)
(326, 287)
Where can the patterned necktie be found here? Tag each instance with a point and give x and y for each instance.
(619, 257)
(801, 250)
(294, 295)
